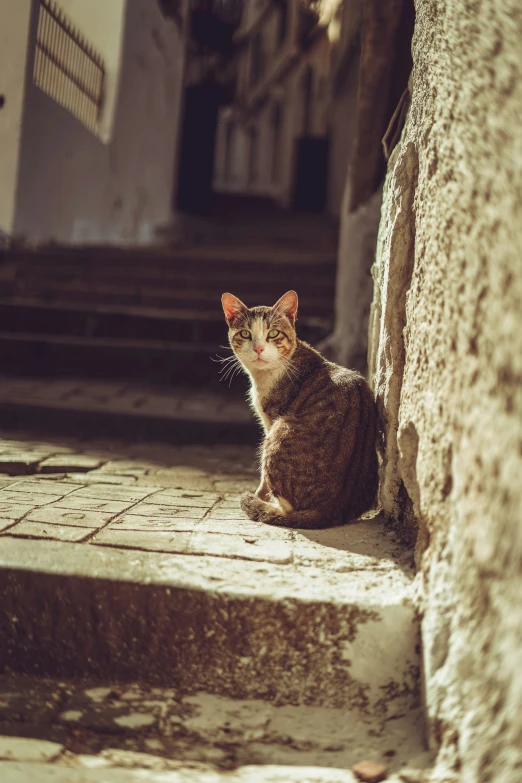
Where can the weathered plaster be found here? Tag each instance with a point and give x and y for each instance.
(445, 350)
(353, 291)
(14, 21)
(72, 188)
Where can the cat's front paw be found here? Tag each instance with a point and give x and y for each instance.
(245, 501)
(248, 502)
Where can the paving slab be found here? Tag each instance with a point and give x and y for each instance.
(79, 503)
(33, 499)
(117, 492)
(164, 538)
(69, 463)
(148, 524)
(53, 515)
(46, 487)
(43, 530)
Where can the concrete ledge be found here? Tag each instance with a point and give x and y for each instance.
(240, 629)
(12, 772)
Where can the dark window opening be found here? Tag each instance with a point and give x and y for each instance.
(253, 153)
(283, 22)
(257, 59)
(276, 143)
(229, 150)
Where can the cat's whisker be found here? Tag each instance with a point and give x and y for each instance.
(224, 375)
(230, 369)
(223, 359)
(230, 375)
(237, 369)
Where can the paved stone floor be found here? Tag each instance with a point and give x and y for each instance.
(76, 506)
(155, 497)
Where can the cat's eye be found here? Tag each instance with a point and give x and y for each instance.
(273, 333)
(245, 334)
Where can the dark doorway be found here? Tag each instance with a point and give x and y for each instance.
(196, 154)
(311, 173)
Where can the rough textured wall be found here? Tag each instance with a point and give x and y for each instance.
(446, 353)
(74, 189)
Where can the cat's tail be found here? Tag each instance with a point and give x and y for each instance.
(309, 519)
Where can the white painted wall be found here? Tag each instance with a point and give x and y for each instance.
(101, 23)
(14, 25)
(72, 188)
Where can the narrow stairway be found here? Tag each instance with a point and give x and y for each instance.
(149, 631)
(129, 325)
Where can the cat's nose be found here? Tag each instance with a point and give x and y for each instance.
(259, 349)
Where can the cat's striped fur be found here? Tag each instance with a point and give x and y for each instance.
(319, 463)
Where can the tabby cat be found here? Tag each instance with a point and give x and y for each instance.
(319, 464)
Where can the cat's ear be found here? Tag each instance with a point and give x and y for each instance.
(232, 306)
(287, 305)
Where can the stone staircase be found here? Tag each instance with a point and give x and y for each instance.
(145, 317)
(149, 631)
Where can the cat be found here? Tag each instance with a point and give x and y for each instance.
(319, 465)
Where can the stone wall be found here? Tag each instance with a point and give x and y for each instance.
(446, 358)
(14, 21)
(72, 188)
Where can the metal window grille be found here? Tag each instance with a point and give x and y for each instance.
(66, 66)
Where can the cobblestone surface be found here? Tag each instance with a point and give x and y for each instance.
(153, 497)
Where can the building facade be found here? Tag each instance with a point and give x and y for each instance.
(90, 118)
(288, 133)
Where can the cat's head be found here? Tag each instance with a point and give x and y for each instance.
(263, 338)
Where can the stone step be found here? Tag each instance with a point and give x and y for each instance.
(130, 410)
(132, 772)
(133, 292)
(189, 272)
(148, 628)
(107, 725)
(88, 320)
(233, 609)
(255, 260)
(262, 289)
(49, 355)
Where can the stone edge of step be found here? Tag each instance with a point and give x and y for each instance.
(21, 771)
(218, 575)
